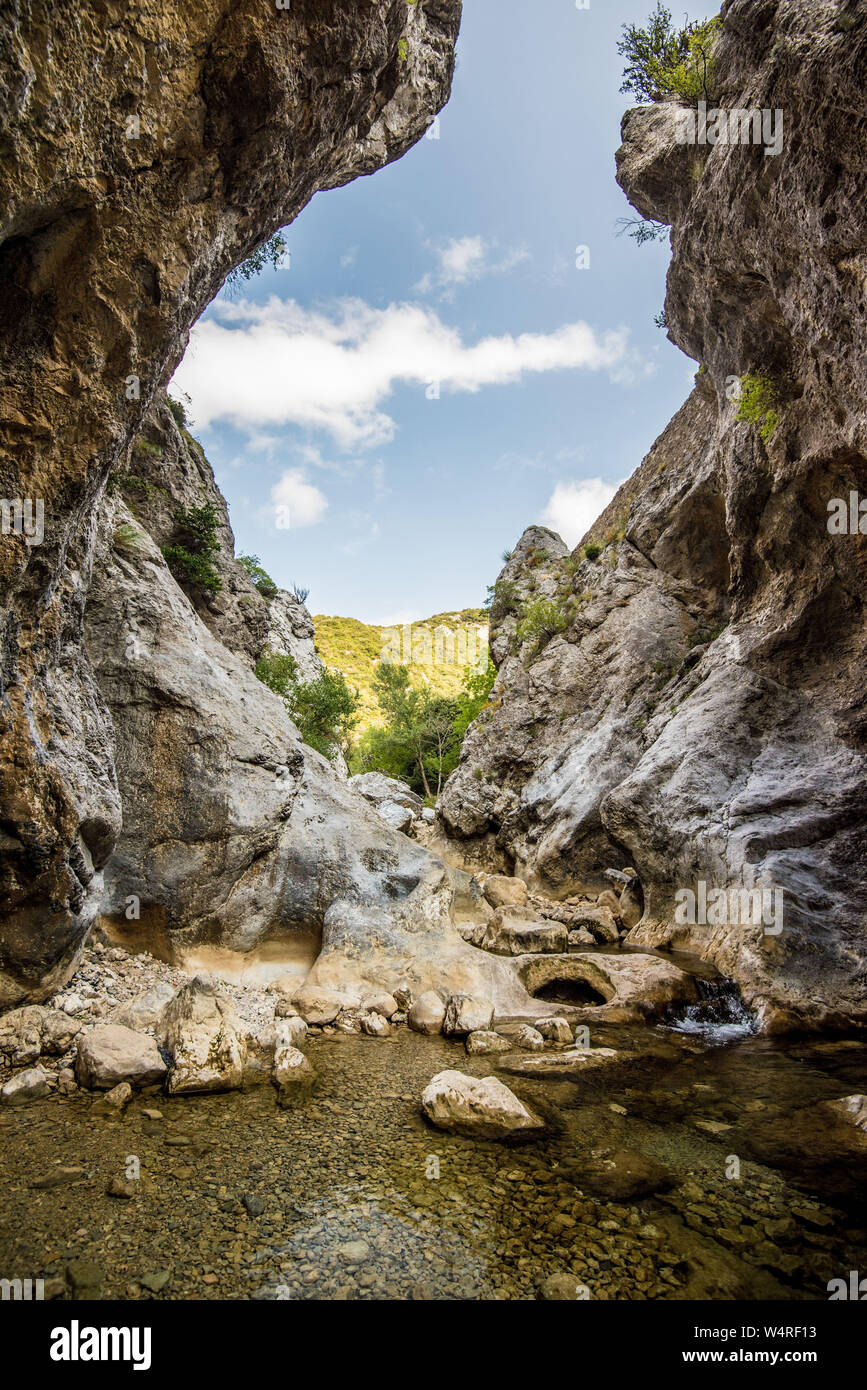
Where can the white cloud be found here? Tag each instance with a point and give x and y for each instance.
(258, 366)
(467, 258)
(295, 502)
(573, 507)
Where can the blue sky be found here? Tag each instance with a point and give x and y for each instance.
(432, 373)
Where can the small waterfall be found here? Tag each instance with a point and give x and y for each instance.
(720, 1014)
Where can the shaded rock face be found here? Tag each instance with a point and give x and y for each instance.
(140, 163)
(701, 714)
(165, 471)
(237, 837)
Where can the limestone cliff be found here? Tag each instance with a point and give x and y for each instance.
(694, 705)
(144, 155)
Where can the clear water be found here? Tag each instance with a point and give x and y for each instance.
(362, 1200)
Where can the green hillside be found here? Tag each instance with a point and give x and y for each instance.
(355, 649)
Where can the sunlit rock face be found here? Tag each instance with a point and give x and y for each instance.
(701, 714)
(141, 161)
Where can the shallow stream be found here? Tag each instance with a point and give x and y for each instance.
(352, 1195)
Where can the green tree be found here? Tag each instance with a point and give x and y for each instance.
(419, 733)
(271, 252)
(473, 698)
(194, 545)
(662, 61)
(323, 708)
(260, 577)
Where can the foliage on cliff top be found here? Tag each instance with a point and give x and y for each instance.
(662, 61)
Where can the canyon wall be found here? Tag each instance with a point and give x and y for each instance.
(144, 155)
(692, 702)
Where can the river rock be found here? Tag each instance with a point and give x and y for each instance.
(502, 891)
(291, 1032)
(118, 1097)
(508, 937)
(465, 1014)
(485, 1041)
(598, 921)
(375, 1026)
(484, 1109)
(30, 1084)
(561, 1288)
(384, 1004)
(146, 1009)
(109, 1054)
(205, 1039)
(427, 1013)
(28, 1032)
(293, 1071)
(318, 1006)
(563, 1065)
(554, 1030)
(631, 905)
(529, 1039)
(623, 1175)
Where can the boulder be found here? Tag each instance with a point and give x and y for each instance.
(317, 1005)
(599, 921)
(529, 1039)
(483, 1108)
(291, 1032)
(502, 891)
(31, 1084)
(563, 1066)
(259, 1047)
(427, 1014)
(375, 1026)
(292, 1072)
(507, 937)
(382, 1003)
(378, 789)
(631, 905)
(146, 1009)
(554, 1030)
(609, 900)
(466, 1014)
(485, 1041)
(110, 1053)
(579, 938)
(205, 1038)
(28, 1032)
(396, 816)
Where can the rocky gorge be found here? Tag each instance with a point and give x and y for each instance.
(378, 1026)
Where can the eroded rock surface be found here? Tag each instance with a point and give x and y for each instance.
(141, 163)
(701, 715)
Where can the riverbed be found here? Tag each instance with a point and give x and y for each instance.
(349, 1194)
